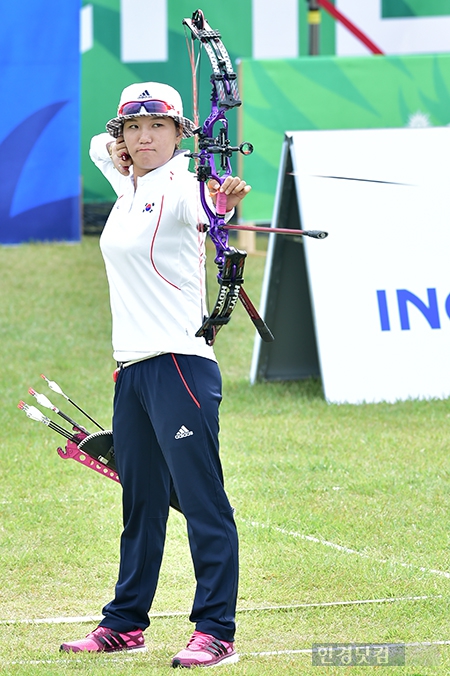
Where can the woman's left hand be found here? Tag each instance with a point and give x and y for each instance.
(234, 188)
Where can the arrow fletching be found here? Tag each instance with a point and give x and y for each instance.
(54, 386)
(33, 413)
(43, 400)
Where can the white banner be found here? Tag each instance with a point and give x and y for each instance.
(411, 35)
(380, 283)
(270, 43)
(144, 31)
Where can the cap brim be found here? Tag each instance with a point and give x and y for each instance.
(115, 126)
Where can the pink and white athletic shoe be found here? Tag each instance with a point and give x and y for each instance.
(106, 640)
(204, 650)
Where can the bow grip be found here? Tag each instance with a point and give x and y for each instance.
(221, 204)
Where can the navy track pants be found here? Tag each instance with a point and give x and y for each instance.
(165, 427)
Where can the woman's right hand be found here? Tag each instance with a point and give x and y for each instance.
(118, 152)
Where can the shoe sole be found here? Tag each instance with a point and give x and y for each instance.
(232, 659)
(138, 649)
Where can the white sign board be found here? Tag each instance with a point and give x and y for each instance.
(380, 282)
(396, 35)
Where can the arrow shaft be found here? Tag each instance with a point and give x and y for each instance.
(70, 420)
(262, 228)
(84, 413)
(57, 428)
(56, 388)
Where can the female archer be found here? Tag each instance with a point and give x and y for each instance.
(168, 388)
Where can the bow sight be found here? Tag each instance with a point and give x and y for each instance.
(217, 146)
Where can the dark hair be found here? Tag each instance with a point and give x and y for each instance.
(179, 129)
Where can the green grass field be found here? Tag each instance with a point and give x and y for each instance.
(343, 511)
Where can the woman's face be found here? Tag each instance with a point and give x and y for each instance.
(150, 141)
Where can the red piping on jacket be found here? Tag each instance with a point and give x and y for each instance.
(151, 248)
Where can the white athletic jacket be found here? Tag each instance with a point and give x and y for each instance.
(154, 258)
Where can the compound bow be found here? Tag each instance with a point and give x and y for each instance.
(230, 261)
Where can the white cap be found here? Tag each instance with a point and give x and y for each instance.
(146, 91)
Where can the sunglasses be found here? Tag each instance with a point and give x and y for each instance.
(152, 106)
